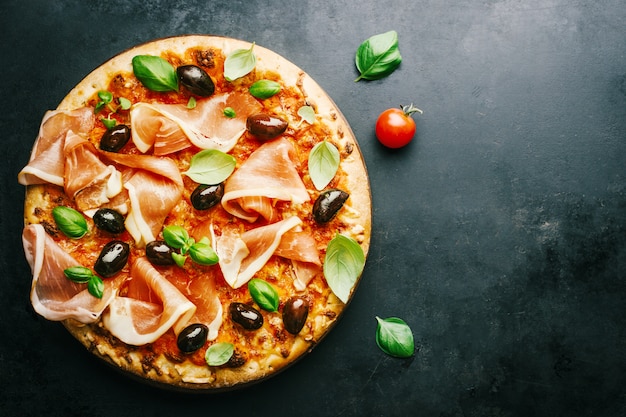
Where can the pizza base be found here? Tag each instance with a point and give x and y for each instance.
(160, 370)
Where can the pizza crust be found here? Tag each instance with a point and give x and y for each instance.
(185, 375)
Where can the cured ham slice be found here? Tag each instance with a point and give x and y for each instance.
(242, 256)
(88, 181)
(169, 128)
(53, 295)
(151, 307)
(269, 173)
(154, 186)
(47, 160)
(300, 247)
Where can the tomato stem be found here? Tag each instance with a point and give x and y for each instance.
(410, 109)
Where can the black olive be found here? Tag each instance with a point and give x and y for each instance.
(192, 337)
(159, 253)
(109, 220)
(112, 259)
(196, 80)
(265, 126)
(115, 138)
(295, 312)
(248, 317)
(328, 204)
(206, 196)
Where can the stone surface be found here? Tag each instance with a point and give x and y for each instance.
(499, 232)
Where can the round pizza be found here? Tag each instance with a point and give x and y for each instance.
(197, 213)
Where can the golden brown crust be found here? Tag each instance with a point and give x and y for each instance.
(179, 372)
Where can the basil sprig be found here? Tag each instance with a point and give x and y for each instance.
(238, 63)
(70, 222)
(219, 353)
(394, 337)
(106, 100)
(264, 294)
(264, 89)
(307, 114)
(378, 56)
(210, 166)
(155, 73)
(323, 164)
(200, 252)
(343, 264)
(83, 275)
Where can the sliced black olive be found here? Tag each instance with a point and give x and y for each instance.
(159, 253)
(328, 204)
(112, 259)
(192, 337)
(109, 220)
(265, 126)
(196, 80)
(115, 138)
(206, 196)
(295, 312)
(248, 317)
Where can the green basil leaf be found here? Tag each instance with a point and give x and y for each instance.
(175, 236)
(343, 264)
(78, 274)
(264, 294)
(394, 337)
(219, 353)
(70, 222)
(109, 123)
(229, 112)
(264, 89)
(323, 164)
(179, 259)
(105, 96)
(378, 56)
(124, 103)
(307, 113)
(203, 254)
(95, 286)
(155, 73)
(191, 104)
(239, 63)
(210, 166)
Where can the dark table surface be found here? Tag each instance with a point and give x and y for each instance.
(499, 233)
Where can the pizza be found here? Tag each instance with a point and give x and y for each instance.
(197, 213)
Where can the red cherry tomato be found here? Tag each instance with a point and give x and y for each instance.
(395, 127)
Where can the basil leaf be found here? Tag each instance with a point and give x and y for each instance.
(105, 96)
(219, 353)
(124, 103)
(155, 73)
(239, 63)
(307, 113)
(70, 222)
(179, 259)
(264, 89)
(175, 236)
(394, 337)
(191, 104)
(78, 274)
(229, 112)
(323, 164)
(343, 264)
(378, 56)
(210, 166)
(203, 254)
(264, 294)
(95, 286)
(109, 123)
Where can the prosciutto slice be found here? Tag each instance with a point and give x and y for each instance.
(269, 173)
(52, 294)
(152, 306)
(47, 160)
(242, 256)
(169, 128)
(300, 247)
(154, 186)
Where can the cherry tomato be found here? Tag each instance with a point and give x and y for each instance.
(395, 127)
